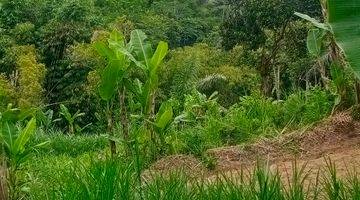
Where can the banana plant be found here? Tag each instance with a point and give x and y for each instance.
(342, 22)
(143, 56)
(46, 119)
(14, 142)
(150, 62)
(70, 119)
(112, 80)
(121, 58)
(117, 65)
(163, 119)
(340, 31)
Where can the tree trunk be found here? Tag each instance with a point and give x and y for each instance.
(266, 85)
(322, 70)
(3, 181)
(357, 90)
(111, 132)
(152, 115)
(123, 115)
(267, 60)
(277, 82)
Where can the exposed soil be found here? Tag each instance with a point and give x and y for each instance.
(187, 164)
(336, 139)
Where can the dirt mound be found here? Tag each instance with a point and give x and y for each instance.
(337, 138)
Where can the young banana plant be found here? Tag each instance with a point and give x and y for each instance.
(142, 55)
(112, 80)
(150, 63)
(14, 142)
(163, 119)
(121, 57)
(70, 119)
(46, 119)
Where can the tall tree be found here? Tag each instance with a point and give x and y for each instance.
(263, 25)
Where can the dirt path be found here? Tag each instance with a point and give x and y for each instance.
(346, 162)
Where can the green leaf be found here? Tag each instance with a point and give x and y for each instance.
(313, 21)
(344, 18)
(159, 55)
(65, 112)
(140, 46)
(314, 41)
(116, 37)
(7, 136)
(25, 135)
(126, 53)
(164, 116)
(41, 144)
(116, 41)
(134, 86)
(109, 79)
(104, 50)
(10, 115)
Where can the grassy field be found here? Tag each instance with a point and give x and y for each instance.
(81, 167)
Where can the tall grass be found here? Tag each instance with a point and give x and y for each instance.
(117, 179)
(74, 145)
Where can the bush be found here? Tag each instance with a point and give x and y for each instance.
(305, 107)
(25, 82)
(205, 124)
(253, 116)
(209, 70)
(7, 92)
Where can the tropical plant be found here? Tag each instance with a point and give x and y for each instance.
(122, 58)
(341, 19)
(263, 26)
(113, 80)
(144, 58)
(71, 118)
(163, 120)
(46, 119)
(150, 62)
(14, 142)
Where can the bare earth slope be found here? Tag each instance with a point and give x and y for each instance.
(337, 138)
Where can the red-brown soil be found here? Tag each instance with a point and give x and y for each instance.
(337, 139)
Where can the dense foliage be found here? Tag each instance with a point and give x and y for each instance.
(158, 77)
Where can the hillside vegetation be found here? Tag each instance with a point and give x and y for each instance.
(94, 94)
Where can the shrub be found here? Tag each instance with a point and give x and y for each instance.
(305, 107)
(253, 116)
(7, 92)
(24, 33)
(25, 81)
(32, 75)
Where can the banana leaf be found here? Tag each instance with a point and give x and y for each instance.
(344, 18)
